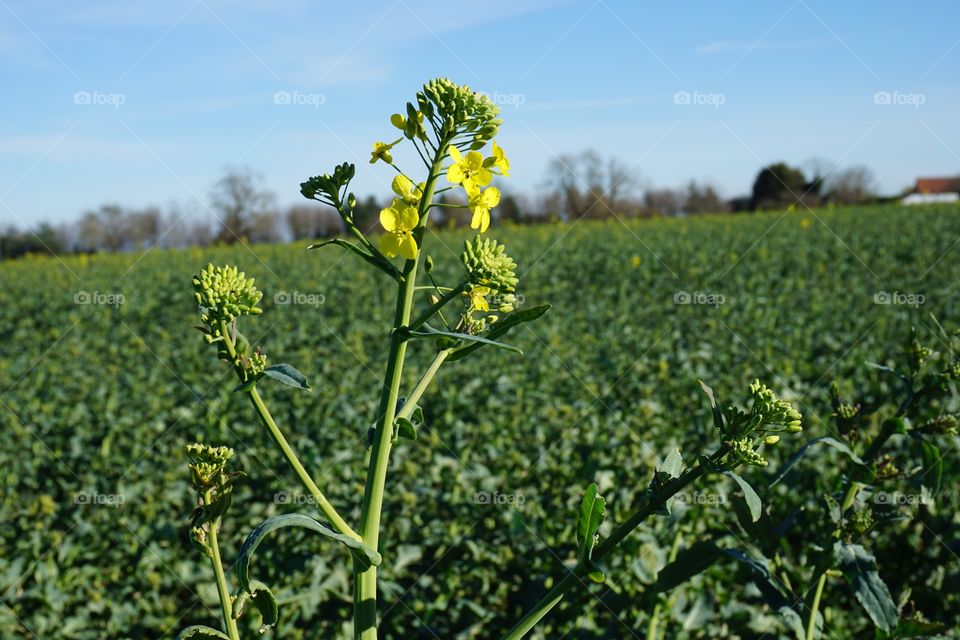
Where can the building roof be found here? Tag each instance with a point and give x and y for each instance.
(937, 185)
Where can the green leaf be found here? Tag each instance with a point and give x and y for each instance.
(669, 468)
(429, 332)
(405, 429)
(592, 510)
(774, 592)
(753, 500)
(263, 600)
(689, 562)
(199, 632)
(672, 465)
(931, 476)
(501, 328)
(827, 440)
(288, 375)
(715, 408)
(860, 569)
(363, 553)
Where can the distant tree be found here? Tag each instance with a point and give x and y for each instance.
(703, 199)
(307, 222)
(588, 186)
(509, 209)
(851, 186)
(144, 227)
(236, 200)
(367, 213)
(778, 185)
(663, 202)
(265, 226)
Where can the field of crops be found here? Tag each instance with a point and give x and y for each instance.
(103, 381)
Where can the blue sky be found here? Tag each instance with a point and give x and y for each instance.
(149, 103)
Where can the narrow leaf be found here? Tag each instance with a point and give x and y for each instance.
(753, 500)
(429, 332)
(860, 568)
(501, 328)
(367, 556)
(200, 632)
(405, 429)
(787, 466)
(288, 375)
(714, 407)
(592, 509)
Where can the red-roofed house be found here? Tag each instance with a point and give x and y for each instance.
(929, 190)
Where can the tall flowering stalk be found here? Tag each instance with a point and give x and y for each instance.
(452, 130)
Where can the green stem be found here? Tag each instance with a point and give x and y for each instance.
(365, 580)
(815, 606)
(653, 628)
(226, 604)
(339, 524)
(424, 317)
(574, 576)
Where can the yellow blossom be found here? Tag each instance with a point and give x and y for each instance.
(404, 187)
(399, 224)
(478, 298)
(468, 171)
(381, 151)
(480, 204)
(498, 160)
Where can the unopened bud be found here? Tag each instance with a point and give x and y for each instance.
(772, 439)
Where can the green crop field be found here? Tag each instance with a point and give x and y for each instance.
(103, 381)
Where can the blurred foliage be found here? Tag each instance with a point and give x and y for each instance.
(103, 382)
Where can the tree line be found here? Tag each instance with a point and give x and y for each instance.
(584, 185)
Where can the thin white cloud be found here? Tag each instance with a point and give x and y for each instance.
(721, 47)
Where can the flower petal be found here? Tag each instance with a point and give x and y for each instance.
(390, 244)
(390, 219)
(490, 198)
(408, 219)
(455, 154)
(474, 160)
(455, 174)
(402, 186)
(408, 247)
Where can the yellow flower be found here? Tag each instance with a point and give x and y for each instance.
(635, 261)
(499, 160)
(468, 171)
(478, 298)
(480, 204)
(399, 223)
(404, 187)
(381, 151)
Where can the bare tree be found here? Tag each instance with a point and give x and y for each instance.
(663, 202)
(850, 186)
(702, 199)
(588, 186)
(236, 200)
(306, 222)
